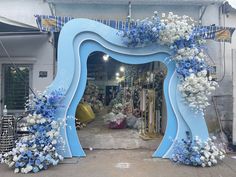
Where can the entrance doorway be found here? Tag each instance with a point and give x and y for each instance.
(123, 105)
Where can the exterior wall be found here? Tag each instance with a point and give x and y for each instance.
(120, 12)
(221, 53)
(15, 10)
(234, 98)
(23, 11)
(30, 49)
(231, 56)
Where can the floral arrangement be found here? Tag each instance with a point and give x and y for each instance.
(187, 44)
(197, 153)
(38, 150)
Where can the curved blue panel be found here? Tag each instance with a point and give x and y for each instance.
(81, 37)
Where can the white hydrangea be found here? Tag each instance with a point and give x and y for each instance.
(189, 53)
(211, 153)
(196, 88)
(176, 27)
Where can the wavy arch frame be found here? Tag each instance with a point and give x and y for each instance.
(81, 37)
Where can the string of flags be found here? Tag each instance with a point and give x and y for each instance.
(48, 23)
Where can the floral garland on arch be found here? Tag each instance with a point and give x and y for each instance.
(38, 150)
(187, 44)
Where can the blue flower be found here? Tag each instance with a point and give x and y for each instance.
(189, 66)
(37, 162)
(29, 153)
(35, 169)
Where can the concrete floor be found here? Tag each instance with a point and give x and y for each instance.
(98, 136)
(127, 163)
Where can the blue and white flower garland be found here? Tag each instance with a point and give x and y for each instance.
(197, 153)
(38, 150)
(187, 44)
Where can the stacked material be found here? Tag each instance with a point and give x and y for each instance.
(115, 121)
(93, 97)
(7, 133)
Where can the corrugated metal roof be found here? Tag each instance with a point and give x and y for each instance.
(138, 2)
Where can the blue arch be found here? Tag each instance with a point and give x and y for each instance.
(81, 37)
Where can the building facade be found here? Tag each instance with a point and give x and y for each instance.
(222, 111)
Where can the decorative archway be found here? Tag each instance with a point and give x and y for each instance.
(81, 37)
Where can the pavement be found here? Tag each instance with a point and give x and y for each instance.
(127, 163)
(98, 136)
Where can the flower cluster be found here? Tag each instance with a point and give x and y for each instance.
(196, 88)
(191, 66)
(189, 53)
(187, 43)
(38, 150)
(175, 28)
(197, 153)
(45, 105)
(142, 32)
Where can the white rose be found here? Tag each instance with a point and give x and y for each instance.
(202, 158)
(16, 170)
(54, 142)
(209, 164)
(43, 120)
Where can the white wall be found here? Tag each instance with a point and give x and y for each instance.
(29, 49)
(219, 52)
(119, 12)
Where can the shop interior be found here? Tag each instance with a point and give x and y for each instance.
(123, 105)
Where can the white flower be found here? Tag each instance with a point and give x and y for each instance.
(31, 121)
(28, 168)
(54, 125)
(11, 164)
(202, 158)
(50, 134)
(43, 120)
(56, 134)
(214, 161)
(22, 170)
(54, 142)
(17, 170)
(15, 158)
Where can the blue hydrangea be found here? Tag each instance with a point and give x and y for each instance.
(191, 66)
(38, 151)
(141, 33)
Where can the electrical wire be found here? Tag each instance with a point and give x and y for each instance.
(15, 67)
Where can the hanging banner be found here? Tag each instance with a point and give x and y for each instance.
(217, 33)
(224, 34)
(48, 23)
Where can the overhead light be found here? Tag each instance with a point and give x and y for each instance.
(122, 69)
(117, 74)
(105, 57)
